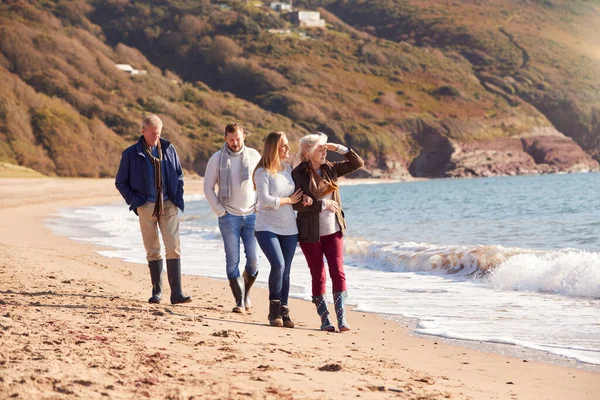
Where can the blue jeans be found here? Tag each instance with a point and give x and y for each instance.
(234, 228)
(279, 250)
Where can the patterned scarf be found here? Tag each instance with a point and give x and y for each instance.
(320, 186)
(158, 183)
(225, 188)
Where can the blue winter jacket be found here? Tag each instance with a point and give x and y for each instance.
(132, 176)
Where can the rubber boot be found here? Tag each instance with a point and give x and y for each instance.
(156, 267)
(323, 313)
(275, 313)
(285, 316)
(248, 282)
(339, 300)
(237, 288)
(174, 275)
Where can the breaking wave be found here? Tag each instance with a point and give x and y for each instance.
(566, 272)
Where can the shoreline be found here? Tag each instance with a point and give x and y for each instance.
(410, 325)
(29, 255)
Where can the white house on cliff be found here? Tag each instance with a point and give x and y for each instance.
(307, 19)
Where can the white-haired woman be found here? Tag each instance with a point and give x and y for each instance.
(320, 220)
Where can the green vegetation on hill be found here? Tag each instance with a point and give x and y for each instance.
(65, 109)
(390, 78)
(355, 87)
(547, 51)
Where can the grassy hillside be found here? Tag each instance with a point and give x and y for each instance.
(400, 81)
(547, 52)
(364, 91)
(65, 109)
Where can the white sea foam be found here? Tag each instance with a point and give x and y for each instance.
(194, 197)
(565, 272)
(544, 300)
(582, 354)
(423, 257)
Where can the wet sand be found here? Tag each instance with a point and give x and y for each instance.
(76, 324)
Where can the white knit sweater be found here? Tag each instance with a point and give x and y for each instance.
(271, 215)
(243, 196)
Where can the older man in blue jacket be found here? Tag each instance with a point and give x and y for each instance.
(150, 179)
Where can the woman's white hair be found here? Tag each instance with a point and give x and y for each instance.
(309, 143)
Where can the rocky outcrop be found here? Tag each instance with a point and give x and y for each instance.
(560, 153)
(536, 151)
(394, 169)
(491, 158)
(520, 156)
(568, 116)
(436, 148)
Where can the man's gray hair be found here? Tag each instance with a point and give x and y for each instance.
(309, 143)
(152, 120)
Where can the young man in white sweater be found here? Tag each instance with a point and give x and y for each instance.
(230, 169)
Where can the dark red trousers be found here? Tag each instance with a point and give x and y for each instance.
(332, 247)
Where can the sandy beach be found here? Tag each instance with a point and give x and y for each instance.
(76, 324)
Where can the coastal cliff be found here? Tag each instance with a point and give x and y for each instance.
(452, 90)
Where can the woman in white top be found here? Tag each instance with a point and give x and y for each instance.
(276, 230)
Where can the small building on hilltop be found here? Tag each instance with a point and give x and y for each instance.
(307, 19)
(279, 6)
(129, 69)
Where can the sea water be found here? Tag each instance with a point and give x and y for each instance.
(511, 260)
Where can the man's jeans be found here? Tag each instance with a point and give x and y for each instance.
(279, 250)
(234, 228)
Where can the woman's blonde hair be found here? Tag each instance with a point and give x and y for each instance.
(270, 160)
(309, 143)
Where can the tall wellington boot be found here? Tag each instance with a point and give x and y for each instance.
(248, 282)
(238, 289)
(174, 275)
(156, 267)
(323, 313)
(339, 300)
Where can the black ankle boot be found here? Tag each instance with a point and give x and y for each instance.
(275, 313)
(237, 288)
(174, 275)
(156, 267)
(248, 282)
(285, 316)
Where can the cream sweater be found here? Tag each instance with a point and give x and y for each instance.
(243, 197)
